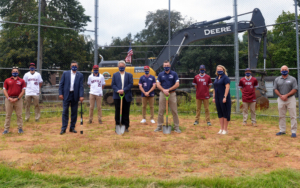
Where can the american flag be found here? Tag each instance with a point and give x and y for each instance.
(129, 54)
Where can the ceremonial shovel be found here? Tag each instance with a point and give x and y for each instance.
(81, 122)
(166, 128)
(120, 129)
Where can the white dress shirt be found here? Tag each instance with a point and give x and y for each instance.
(122, 79)
(72, 80)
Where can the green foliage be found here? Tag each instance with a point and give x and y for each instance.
(18, 43)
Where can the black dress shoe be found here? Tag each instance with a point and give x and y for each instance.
(126, 130)
(62, 132)
(73, 131)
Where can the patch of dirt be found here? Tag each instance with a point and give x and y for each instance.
(197, 151)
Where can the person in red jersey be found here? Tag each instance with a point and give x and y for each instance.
(202, 83)
(14, 89)
(247, 85)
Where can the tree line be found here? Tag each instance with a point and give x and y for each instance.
(18, 43)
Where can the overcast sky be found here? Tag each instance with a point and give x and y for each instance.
(117, 18)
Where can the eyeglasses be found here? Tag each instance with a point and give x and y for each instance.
(15, 67)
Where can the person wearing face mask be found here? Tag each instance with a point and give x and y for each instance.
(96, 83)
(33, 82)
(70, 91)
(167, 83)
(221, 97)
(202, 83)
(147, 84)
(247, 85)
(14, 89)
(122, 83)
(285, 87)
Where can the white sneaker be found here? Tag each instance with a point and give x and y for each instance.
(224, 132)
(152, 121)
(220, 131)
(143, 121)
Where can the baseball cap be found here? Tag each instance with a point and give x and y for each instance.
(146, 67)
(247, 69)
(31, 64)
(95, 67)
(202, 67)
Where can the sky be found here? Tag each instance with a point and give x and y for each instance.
(117, 18)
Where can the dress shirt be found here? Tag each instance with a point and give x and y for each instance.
(72, 80)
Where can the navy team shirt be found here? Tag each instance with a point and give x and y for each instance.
(167, 80)
(147, 83)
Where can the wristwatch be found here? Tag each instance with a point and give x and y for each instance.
(18, 98)
(224, 97)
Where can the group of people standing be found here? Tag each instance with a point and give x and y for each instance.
(71, 92)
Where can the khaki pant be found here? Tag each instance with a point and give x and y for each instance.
(162, 108)
(206, 105)
(98, 99)
(9, 108)
(37, 110)
(149, 100)
(283, 106)
(246, 106)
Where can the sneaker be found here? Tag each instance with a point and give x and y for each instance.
(20, 131)
(244, 124)
(220, 131)
(293, 135)
(254, 125)
(196, 123)
(90, 121)
(177, 130)
(158, 129)
(100, 121)
(143, 121)
(208, 123)
(279, 133)
(5, 132)
(152, 121)
(224, 132)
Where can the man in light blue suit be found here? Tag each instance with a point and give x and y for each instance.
(70, 91)
(122, 82)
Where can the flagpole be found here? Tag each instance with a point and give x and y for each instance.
(169, 30)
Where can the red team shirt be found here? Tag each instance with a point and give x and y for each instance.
(14, 87)
(203, 83)
(248, 86)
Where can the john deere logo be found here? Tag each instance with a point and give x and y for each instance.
(106, 75)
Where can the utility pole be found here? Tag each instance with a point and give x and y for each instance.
(236, 51)
(297, 49)
(96, 34)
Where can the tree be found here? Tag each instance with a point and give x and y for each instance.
(63, 13)
(157, 28)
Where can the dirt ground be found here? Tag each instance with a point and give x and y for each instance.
(197, 151)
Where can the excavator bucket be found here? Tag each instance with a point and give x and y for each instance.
(262, 102)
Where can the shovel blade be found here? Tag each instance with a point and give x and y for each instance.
(120, 129)
(167, 129)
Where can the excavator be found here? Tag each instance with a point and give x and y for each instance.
(257, 32)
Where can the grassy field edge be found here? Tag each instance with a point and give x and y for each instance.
(10, 177)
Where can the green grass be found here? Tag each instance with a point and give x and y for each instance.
(17, 178)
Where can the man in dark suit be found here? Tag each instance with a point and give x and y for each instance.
(122, 82)
(70, 91)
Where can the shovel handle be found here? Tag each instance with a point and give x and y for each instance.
(167, 108)
(121, 96)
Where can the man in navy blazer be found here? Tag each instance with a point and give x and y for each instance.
(70, 91)
(122, 82)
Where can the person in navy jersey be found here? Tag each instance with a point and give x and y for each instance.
(202, 83)
(147, 84)
(167, 83)
(221, 97)
(70, 91)
(247, 85)
(122, 83)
